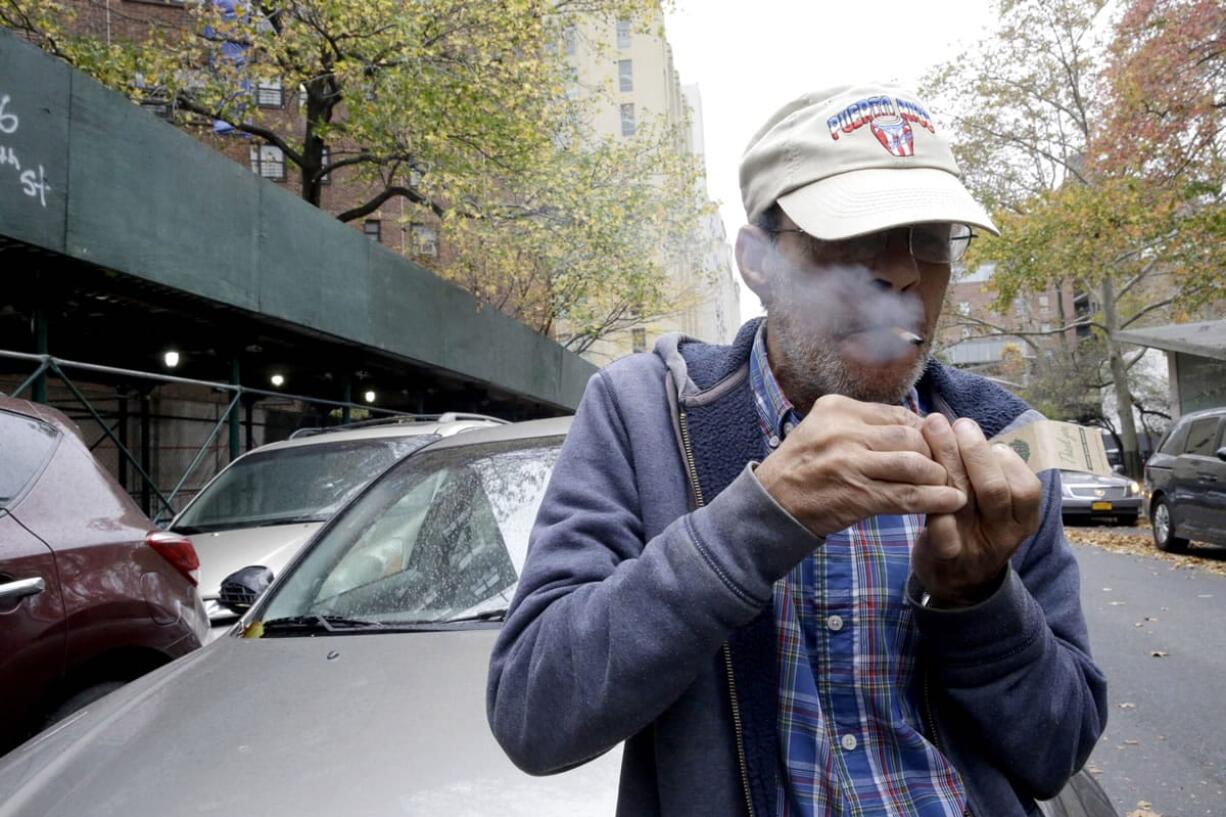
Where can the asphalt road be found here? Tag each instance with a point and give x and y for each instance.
(1165, 742)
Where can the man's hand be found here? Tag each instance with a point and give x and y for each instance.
(849, 460)
(960, 556)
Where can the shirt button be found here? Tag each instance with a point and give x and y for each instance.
(835, 623)
(849, 742)
(773, 442)
(788, 428)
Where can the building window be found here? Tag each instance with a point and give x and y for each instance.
(1019, 307)
(623, 35)
(628, 119)
(1045, 327)
(966, 332)
(269, 93)
(302, 96)
(268, 161)
(372, 228)
(570, 40)
(638, 340)
(424, 239)
(964, 307)
(625, 75)
(1044, 305)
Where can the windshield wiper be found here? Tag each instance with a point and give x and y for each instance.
(316, 624)
(495, 614)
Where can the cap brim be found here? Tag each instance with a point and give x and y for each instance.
(865, 201)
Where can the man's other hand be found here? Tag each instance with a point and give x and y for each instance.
(849, 460)
(961, 556)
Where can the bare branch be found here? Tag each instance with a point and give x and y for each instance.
(386, 195)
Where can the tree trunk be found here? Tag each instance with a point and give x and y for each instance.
(1119, 374)
(317, 114)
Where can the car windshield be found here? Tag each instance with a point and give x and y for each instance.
(442, 537)
(305, 483)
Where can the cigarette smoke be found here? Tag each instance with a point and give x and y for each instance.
(841, 333)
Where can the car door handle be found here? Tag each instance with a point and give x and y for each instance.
(21, 588)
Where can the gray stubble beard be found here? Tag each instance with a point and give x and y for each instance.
(812, 367)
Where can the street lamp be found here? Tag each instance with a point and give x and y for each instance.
(171, 359)
(370, 396)
(277, 380)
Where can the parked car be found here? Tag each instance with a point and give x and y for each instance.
(1087, 497)
(265, 505)
(370, 653)
(356, 685)
(92, 595)
(1185, 482)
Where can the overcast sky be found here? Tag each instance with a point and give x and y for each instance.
(749, 57)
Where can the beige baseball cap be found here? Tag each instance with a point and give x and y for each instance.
(856, 159)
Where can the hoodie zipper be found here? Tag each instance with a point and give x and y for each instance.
(932, 730)
(737, 726)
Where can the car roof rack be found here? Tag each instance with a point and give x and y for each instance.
(397, 420)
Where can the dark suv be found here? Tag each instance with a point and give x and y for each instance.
(1185, 481)
(91, 594)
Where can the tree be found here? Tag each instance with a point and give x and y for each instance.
(1043, 124)
(458, 108)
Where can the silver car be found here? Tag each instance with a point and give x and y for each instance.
(263, 507)
(1089, 497)
(356, 685)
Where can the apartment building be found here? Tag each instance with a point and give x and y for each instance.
(973, 334)
(136, 20)
(631, 62)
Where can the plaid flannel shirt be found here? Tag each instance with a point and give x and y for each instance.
(851, 741)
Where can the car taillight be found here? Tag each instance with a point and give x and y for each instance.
(178, 550)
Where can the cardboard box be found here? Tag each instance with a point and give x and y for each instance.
(1052, 444)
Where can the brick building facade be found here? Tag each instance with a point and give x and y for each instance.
(395, 224)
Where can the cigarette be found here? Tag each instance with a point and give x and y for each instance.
(908, 336)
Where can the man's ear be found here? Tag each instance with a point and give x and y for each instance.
(753, 248)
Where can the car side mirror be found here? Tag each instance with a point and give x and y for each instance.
(1221, 453)
(241, 588)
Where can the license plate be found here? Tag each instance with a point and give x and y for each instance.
(1100, 506)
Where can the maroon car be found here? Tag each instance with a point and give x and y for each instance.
(91, 595)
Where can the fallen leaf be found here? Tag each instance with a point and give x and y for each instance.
(1127, 705)
(1131, 544)
(1131, 742)
(1159, 653)
(1117, 603)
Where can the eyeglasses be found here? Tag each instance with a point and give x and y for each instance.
(935, 243)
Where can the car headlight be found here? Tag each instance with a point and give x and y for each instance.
(1133, 488)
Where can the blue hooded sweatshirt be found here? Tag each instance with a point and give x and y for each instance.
(644, 615)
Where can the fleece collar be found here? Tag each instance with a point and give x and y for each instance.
(703, 373)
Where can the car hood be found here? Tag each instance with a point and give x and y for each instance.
(223, 552)
(374, 725)
(1086, 478)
